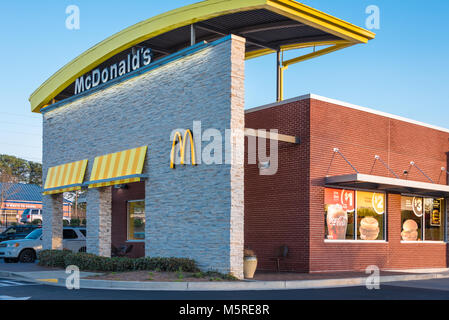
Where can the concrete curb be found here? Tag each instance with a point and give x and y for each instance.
(225, 285)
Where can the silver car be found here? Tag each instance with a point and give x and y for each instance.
(26, 250)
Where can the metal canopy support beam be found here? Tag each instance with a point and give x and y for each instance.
(270, 26)
(279, 74)
(192, 35)
(283, 65)
(272, 136)
(249, 40)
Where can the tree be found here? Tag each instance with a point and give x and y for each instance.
(25, 171)
(8, 189)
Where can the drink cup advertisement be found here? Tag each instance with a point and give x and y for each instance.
(338, 203)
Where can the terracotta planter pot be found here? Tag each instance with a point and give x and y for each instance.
(249, 267)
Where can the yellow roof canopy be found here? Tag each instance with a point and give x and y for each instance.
(267, 25)
(65, 178)
(118, 168)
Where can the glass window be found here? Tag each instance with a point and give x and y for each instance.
(412, 209)
(136, 220)
(34, 235)
(354, 215)
(339, 214)
(370, 215)
(434, 217)
(69, 234)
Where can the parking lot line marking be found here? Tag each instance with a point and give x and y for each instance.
(48, 280)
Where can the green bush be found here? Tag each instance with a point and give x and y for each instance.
(65, 223)
(53, 258)
(36, 222)
(90, 262)
(83, 222)
(75, 222)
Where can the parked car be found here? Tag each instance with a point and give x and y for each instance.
(26, 250)
(30, 215)
(16, 232)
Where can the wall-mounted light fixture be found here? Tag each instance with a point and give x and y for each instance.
(264, 165)
(121, 186)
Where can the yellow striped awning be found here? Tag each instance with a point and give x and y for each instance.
(65, 178)
(118, 168)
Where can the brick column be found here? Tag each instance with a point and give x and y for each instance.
(237, 126)
(99, 217)
(52, 215)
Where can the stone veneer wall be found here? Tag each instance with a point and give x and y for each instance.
(194, 212)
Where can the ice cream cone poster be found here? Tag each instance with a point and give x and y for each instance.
(338, 203)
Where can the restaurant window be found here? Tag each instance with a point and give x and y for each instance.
(411, 218)
(339, 214)
(136, 220)
(370, 215)
(354, 215)
(422, 219)
(434, 215)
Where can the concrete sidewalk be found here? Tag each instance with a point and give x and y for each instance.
(57, 277)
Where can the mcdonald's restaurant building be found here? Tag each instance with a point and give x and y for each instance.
(353, 187)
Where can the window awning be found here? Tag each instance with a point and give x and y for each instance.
(366, 181)
(65, 178)
(118, 168)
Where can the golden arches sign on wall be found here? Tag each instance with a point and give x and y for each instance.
(178, 138)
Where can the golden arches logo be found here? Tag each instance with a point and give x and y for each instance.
(182, 146)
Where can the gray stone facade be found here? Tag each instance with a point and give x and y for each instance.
(194, 212)
(99, 215)
(52, 221)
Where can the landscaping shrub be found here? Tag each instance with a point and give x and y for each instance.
(53, 258)
(75, 222)
(165, 264)
(90, 262)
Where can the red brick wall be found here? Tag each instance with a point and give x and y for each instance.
(276, 207)
(360, 136)
(120, 197)
(288, 208)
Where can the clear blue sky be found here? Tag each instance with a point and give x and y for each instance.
(404, 71)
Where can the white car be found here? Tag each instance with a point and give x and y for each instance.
(30, 215)
(25, 250)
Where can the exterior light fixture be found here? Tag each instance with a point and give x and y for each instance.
(264, 165)
(121, 186)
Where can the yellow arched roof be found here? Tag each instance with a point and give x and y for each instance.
(185, 16)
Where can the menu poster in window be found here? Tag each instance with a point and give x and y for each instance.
(337, 204)
(370, 210)
(371, 200)
(435, 219)
(345, 198)
(415, 204)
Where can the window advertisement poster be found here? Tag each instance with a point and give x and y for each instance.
(370, 215)
(435, 208)
(339, 214)
(434, 219)
(136, 220)
(412, 209)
